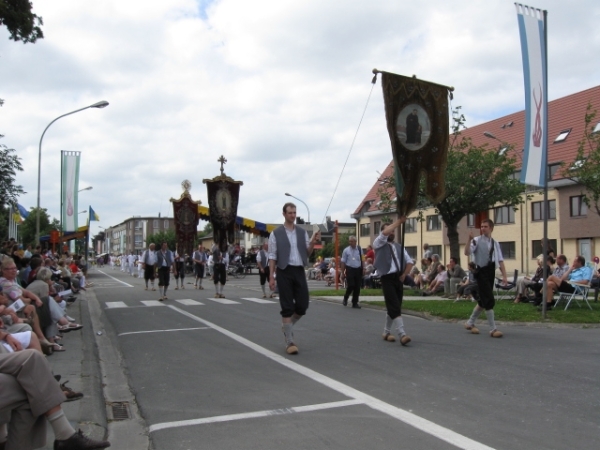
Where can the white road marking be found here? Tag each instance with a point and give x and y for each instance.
(189, 302)
(117, 280)
(252, 415)
(258, 300)
(162, 331)
(426, 426)
(224, 301)
(112, 305)
(152, 303)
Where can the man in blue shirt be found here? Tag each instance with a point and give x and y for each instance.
(578, 273)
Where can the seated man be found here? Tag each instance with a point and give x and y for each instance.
(437, 285)
(30, 394)
(433, 268)
(526, 282)
(455, 275)
(578, 273)
(368, 271)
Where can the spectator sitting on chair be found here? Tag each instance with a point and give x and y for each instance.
(421, 279)
(433, 268)
(455, 275)
(368, 271)
(468, 285)
(578, 273)
(526, 282)
(437, 285)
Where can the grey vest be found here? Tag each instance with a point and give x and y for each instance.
(147, 255)
(482, 254)
(283, 246)
(384, 258)
(200, 256)
(264, 258)
(168, 258)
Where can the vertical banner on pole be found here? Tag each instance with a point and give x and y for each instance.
(532, 26)
(70, 187)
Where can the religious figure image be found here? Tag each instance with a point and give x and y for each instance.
(413, 127)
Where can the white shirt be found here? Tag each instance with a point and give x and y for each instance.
(295, 258)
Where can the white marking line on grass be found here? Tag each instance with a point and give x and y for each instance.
(111, 305)
(162, 331)
(408, 418)
(253, 415)
(257, 300)
(117, 280)
(224, 301)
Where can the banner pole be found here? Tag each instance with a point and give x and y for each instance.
(545, 168)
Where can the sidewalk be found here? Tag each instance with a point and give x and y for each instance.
(79, 365)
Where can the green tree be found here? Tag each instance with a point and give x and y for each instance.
(167, 236)
(27, 228)
(23, 25)
(328, 250)
(10, 164)
(585, 168)
(206, 231)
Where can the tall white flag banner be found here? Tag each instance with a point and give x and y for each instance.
(532, 24)
(69, 189)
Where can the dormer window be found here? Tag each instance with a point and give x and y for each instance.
(596, 128)
(562, 136)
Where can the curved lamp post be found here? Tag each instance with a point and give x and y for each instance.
(308, 210)
(101, 104)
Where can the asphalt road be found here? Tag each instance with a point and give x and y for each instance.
(209, 375)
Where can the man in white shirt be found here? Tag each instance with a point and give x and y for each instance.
(149, 265)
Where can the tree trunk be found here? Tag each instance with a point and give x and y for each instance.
(454, 242)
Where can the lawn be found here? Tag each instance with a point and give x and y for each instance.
(504, 310)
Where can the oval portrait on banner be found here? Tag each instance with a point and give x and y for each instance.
(413, 127)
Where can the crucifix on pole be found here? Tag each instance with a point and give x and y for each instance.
(222, 160)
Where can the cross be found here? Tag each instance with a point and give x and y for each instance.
(222, 160)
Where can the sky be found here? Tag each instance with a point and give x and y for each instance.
(277, 87)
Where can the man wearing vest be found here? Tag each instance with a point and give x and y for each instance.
(165, 261)
(220, 263)
(149, 265)
(393, 264)
(199, 258)
(487, 256)
(289, 249)
(262, 260)
(352, 270)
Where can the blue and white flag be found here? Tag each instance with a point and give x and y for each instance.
(532, 24)
(24, 213)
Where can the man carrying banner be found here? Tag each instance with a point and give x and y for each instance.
(220, 263)
(393, 264)
(289, 249)
(165, 261)
(488, 256)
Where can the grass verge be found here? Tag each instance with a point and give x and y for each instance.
(504, 310)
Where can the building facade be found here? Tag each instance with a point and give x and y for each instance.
(130, 235)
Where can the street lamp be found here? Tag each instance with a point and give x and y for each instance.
(101, 104)
(89, 188)
(82, 212)
(290, 195)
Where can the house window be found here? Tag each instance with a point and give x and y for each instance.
(504, 214)
(376, 228)
(508, 249)
(536, 247)
(578, 206)
(562, 136)
(537, 210)
(412, 252)
(155, 223)
(138, 224)
(365, 229)
(552, 169)
(410, 225)
(434, 222)
(436, 250)
(138, 240)
(470, 220)
(516, 175)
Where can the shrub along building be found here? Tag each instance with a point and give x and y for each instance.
(573, 228)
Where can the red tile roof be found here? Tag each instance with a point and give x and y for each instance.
(563, 114)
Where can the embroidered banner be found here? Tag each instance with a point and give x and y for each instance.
(185, 213)
(69, 189)
(416, 112)
(532, 24)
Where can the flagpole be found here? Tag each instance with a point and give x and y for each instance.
(545, 169)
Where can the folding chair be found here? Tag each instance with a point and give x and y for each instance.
(581, 290)
(502, 292)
